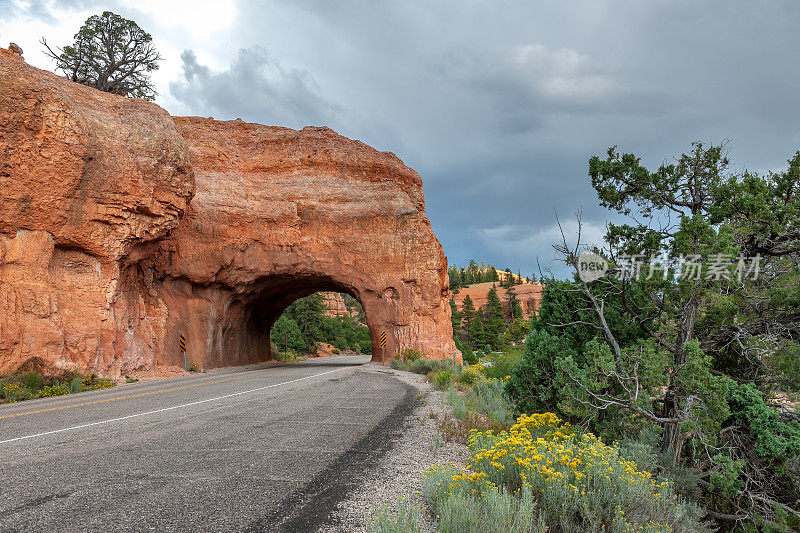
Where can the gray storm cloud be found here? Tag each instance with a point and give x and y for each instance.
(498, 105)
(256, 87)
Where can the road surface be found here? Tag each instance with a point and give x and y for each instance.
(232, 450)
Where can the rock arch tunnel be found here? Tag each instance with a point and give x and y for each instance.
(279, 214)
(124, 227)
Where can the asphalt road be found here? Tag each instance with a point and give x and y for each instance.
(234, 450)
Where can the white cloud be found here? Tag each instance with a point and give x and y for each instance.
(561, 72)
(198, 18)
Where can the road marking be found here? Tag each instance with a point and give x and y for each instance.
(167, 408)
(137, 395)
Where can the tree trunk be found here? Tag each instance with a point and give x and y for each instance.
(672, 439)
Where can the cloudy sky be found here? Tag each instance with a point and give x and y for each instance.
(497, 104)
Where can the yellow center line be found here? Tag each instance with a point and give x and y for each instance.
(135, 395)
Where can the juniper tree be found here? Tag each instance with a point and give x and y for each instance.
(694, 354)
(110, 53)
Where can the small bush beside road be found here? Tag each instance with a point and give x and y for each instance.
(529, 473)
(21, 386)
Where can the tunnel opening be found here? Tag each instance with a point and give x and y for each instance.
(320, 325)
(293, 309)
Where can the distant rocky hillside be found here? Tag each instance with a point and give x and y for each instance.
(529, 295)
(339, 305)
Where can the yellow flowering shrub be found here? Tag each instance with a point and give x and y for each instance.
(579, 483)
(470, 375)
(56, 389)
(25, 386)
(13, 392)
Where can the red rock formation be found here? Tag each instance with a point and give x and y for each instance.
(89, 183)
(104, 262)
(335, 305)
(528, 294)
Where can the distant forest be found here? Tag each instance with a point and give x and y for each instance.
(474, 272)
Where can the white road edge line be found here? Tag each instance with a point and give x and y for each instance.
(168, 408)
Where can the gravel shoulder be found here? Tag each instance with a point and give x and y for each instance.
(399, 473)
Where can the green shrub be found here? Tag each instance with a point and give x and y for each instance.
(16, 387)
(441, 379)
(775, 440)
(467, 354)
(32, 381)
(467, 375)
(14, 392)
(95, 382)
(76, 385)
(503, 364)
(464, 507)
(486, 397)
(404, 519)
(410, 355)
(420, 366)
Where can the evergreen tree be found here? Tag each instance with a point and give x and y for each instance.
(508, 279)
(512, 304)
(455, 317)
(685, 354)
(467, 315)
(474, 272)
(112, 54)
(307, 313)
(476, 334)
(454, 277)
(495, 319)
(285, 331)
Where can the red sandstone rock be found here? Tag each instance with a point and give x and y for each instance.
(280, 214)
(335, 305)
(12, 52)
(528, 294)
(88, 183)
(104, 262)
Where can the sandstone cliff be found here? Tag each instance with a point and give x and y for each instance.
(121, 228)
(89, 183)
(528, 294)
(335, 305)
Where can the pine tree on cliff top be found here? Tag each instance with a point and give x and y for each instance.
(112, 54)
